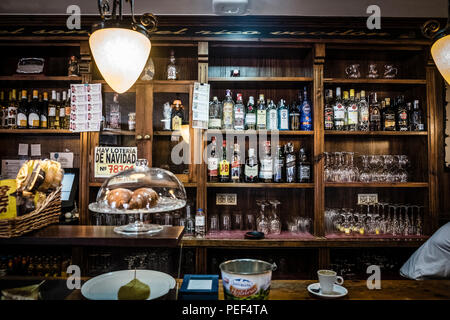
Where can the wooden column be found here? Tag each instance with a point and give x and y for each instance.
(433, 152)
(319, 145)
(199, 141)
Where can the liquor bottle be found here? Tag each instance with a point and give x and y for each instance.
(189, 224)
(52, 111)
(294, 117)
(261, 114)
(12, 110)
(279, 166)
(272, 115)
(213, 162)
(172, 71)
(339, 112)
(3, 111)
(113, 114)
(389, 116)
(402, 115)
(304, 167)
(382, 109)
(62, 111)
(200, 223)
(346, 103)
(283, 115)
(58, 111)
(215, 114)
(266, 171)
(328, 111)
(22, 111)
(228, 106)
(251, 167)
(352, 112)
(239, 113)
(364, 114)
(224, 165)
(44, 111)
(291, 165)
(306, 115)
(250, 114)
(68, 110)
(177, 115)
(236, 169)
(416, 118)
(375, 114)
(33, 112)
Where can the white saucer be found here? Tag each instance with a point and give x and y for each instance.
(338, 291)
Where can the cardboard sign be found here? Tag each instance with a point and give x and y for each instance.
(112, 160)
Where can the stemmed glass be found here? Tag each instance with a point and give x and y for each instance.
(365, 175)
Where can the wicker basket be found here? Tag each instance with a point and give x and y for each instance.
(47, 214)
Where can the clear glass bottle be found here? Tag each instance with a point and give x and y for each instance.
(272, 116)
(274, 221)
(363, 108)
(306, 114)
(328, 110)
(339, 111)
(375, 114)
(200, 222)
(251, 167)
(172, 72)
(261, 114)
(236, 168)
(346, 104)
(266, 171)
(352, 112)
(250, 114)
(189, 227)
(283, 115)
(279, 166)
(239, 113)
(228, 107)
(291, 165)
(215, 114)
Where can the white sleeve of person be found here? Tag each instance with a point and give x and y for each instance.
(432, 259)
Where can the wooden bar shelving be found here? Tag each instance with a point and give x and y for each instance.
(260, 185)
(376, 185)
(38, 131)
(375, 81)
(38, 77)
(260, 79)
(375, 133)
(258, 132)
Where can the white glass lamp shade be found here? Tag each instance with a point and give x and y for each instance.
(441, 56)
(120, 55)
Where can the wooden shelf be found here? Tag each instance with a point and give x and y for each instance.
(37, 131)
(260, 79)
(375, 81)
(166, 133)
(97, 184)
(117, 133)
(376, 185)
(253, 132)
(375, 133)
(260, 185)
(38, 77)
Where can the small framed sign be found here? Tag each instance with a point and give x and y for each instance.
(199, 287)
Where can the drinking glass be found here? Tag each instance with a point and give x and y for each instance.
(237, 222)
(250, 223)
(365, 175)
(214, 223)
(225, 221)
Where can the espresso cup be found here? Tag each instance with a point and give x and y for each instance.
(327, 279)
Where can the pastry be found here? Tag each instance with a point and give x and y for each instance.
(118, 198)
(53, 175)
(143, 198)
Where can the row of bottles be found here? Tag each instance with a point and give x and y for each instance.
(284, 166)
(262, 115)
(37, 265)
(35, 111)
(355, 113)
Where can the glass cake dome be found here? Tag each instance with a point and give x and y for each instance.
(140, 191)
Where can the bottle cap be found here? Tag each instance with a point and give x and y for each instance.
(35, 94)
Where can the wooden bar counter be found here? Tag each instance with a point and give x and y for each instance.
(357, 290)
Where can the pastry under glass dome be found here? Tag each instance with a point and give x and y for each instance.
(140, 191)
